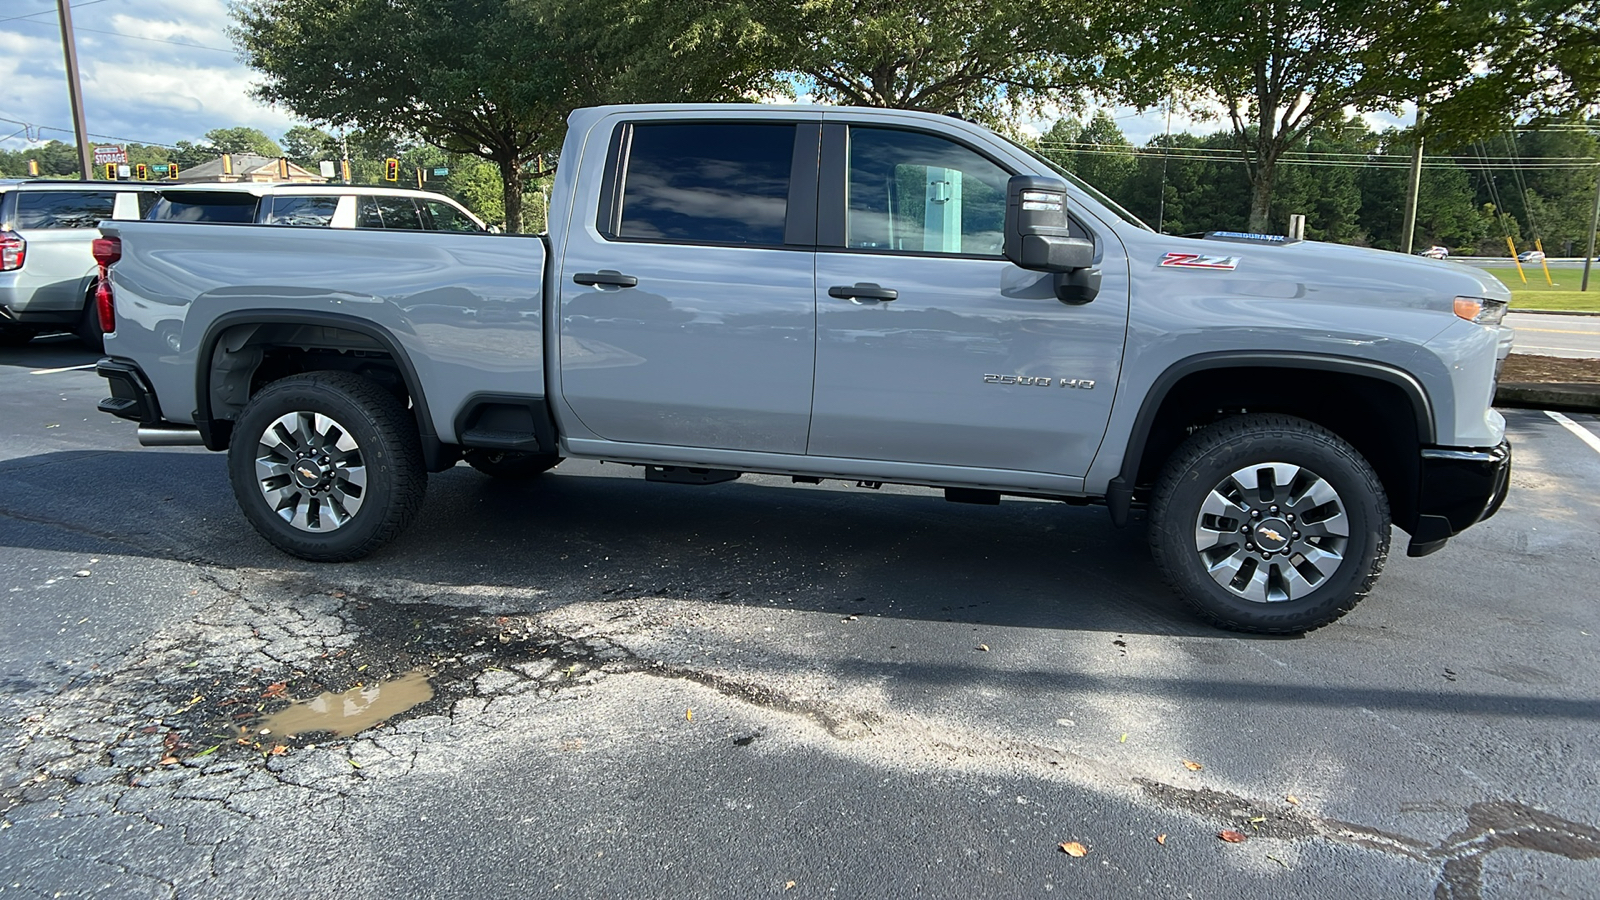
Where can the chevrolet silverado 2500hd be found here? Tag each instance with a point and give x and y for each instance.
(867, 295)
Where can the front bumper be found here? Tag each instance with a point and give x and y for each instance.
(1459, 487)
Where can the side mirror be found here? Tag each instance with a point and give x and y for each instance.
(1037, 234)
(1039, 238)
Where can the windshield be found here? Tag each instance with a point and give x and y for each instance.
(1087, 188)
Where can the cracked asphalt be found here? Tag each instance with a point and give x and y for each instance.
(759, 689)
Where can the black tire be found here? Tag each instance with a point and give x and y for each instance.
(88, 328)
(510, 464)
(1262, 574)
(340, 519)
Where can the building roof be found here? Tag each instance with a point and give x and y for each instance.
(246, 167)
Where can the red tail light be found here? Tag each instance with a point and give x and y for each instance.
(106, 251)
(13, 251)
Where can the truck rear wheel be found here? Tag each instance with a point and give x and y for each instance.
(1269, 524)
(327, 465)
(510, 464)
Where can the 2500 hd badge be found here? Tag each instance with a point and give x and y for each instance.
(1083, 384)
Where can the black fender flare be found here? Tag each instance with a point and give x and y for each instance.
(1119, 492)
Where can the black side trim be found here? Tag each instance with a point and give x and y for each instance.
(1420, 405)
(800, 226)
(216, 438)
(832, 185)
(131, 395)
(518, 422)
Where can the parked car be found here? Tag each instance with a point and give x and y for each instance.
(1435, 252)
(1529, 256)
(47, 273)
(313, 206)
(868, 295)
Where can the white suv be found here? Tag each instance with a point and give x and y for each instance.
(313, 206)
(47, 273)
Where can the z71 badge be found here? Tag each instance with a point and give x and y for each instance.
(1198, 261)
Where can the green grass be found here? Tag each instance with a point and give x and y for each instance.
(1539, 294)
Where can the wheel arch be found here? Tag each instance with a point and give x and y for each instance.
(1390, 422)
(225, 374)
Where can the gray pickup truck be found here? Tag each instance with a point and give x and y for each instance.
(828, 293)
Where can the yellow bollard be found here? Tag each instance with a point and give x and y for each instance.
(1540, 247)
(1514, 260)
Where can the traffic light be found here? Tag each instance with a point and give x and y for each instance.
(391, 169)
(111, 171)
(33, 168)
(172, 171)
(142, 171)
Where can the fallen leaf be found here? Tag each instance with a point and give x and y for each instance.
(787, 885)
(984, 647)
(1293, 799)
(279, 750)
(276, 690)
(1073, 848)
(1123, 739)
(358, 765)
(1192, 766)
(1231, 836)
(1257, 820)
(169, 761)
(1161, 839)
(689, 714)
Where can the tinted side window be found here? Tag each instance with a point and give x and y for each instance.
(63, 209)
(921, 193)
(447, 218)
(204, 206)
(147, 202)
(304, 211)
(389, 212)
(710, 183)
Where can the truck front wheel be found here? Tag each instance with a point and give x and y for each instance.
(327, 465)
(1269, 524)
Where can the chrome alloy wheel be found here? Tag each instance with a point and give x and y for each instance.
(311, 471)
(1272, 532)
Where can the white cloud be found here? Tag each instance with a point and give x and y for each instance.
(153, 71)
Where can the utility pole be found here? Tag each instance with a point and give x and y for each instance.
(1594, 225)
(1413, 188)
(74, 89)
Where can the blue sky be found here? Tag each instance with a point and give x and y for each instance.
(161, 71)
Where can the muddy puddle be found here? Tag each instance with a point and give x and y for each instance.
(352, 711)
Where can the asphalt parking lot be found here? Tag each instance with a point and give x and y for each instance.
(759, 689)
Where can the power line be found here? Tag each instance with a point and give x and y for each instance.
(50, 12)
(134, 37)
(109, 137)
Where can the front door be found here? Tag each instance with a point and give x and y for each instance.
(688, 308)
(973, 362)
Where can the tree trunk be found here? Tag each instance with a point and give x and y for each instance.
(511, 180)
(1261, 195)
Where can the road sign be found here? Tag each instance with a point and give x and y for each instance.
(124, 170)
(326, 168)
(159, 168)
(110, 154)
(440, 172)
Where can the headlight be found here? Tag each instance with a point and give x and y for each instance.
(1480, 311)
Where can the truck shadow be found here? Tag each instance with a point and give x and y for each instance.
(578, 536)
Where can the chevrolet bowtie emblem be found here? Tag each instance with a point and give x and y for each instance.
(308, 473)
(1271, 535)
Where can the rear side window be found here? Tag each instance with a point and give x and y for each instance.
(313, 212)
(711, 183)
(447, 218)
(205, 206)
(389, 212)
(63, 209)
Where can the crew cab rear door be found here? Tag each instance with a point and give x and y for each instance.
(931, 346)
(687, 297)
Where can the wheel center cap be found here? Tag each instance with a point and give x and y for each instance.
(1273, 535)
(308, 473)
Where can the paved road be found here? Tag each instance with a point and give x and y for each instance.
(1575, 337)
(668, 691)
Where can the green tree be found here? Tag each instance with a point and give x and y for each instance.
(491, 78)
(1285, 68)
(308, 146)
(985, 61)
(1329, 196)
(241, 140)
(1105, 159)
